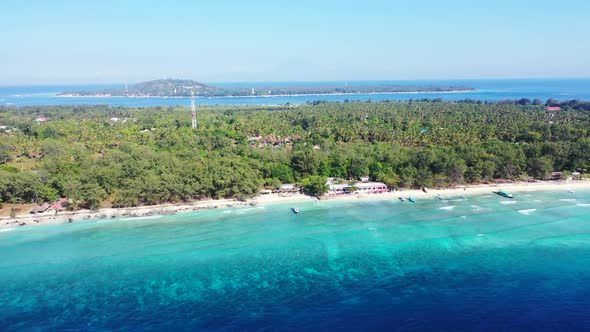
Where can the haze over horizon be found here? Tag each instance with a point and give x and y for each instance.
(65, 42)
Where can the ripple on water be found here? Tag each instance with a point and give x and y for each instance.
(527, 212)
(479, 209)
(142, 218)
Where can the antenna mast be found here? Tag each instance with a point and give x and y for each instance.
(193, 110)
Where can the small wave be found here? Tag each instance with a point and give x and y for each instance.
(142, 218)
(480, 234)
(448, 208)
(477, 208)
(508, 202)
(583, 205)
(527, 212)
(232, 210)
(251, 209)
(573, 200)
(7, 230)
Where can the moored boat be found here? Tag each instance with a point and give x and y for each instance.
(295, 210)
(411, 199)
(401, 199)
(504, 193)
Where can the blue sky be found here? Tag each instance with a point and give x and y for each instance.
(107, 41)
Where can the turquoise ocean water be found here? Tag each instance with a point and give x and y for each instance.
(480, 263)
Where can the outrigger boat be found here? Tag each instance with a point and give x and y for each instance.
(411, 199)
(504, 193)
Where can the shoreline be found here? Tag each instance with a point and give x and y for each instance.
(269, 96)
(65, 217)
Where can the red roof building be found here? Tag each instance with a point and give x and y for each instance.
(60, 204)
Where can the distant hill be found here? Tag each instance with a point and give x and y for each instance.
(155, 88)
(184, 88)
(170, 87)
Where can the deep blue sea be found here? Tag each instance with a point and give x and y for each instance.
(482, 263)
(490, 90)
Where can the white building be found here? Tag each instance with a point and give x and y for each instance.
(41, 119)
(338, 189)
(359, 188)
(371, 187)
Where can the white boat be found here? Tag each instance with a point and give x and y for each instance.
(295, 210)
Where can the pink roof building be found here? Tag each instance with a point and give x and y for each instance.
(60, 204)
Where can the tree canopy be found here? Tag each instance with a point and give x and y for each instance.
(116, 156)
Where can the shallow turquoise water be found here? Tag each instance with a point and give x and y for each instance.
(483, 262)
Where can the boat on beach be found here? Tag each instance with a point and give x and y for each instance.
(504, 193)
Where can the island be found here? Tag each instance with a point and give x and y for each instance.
(56, 161)
(185, 88)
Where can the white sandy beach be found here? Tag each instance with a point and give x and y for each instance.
(271, 199)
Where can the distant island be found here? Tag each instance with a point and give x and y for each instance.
(184, 88)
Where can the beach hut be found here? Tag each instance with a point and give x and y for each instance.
(287, 188)
(60, 204)
(40, 209)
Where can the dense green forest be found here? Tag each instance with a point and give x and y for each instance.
(103, 156)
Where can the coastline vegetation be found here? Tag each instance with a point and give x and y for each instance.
(114, 156)
(184, 88)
